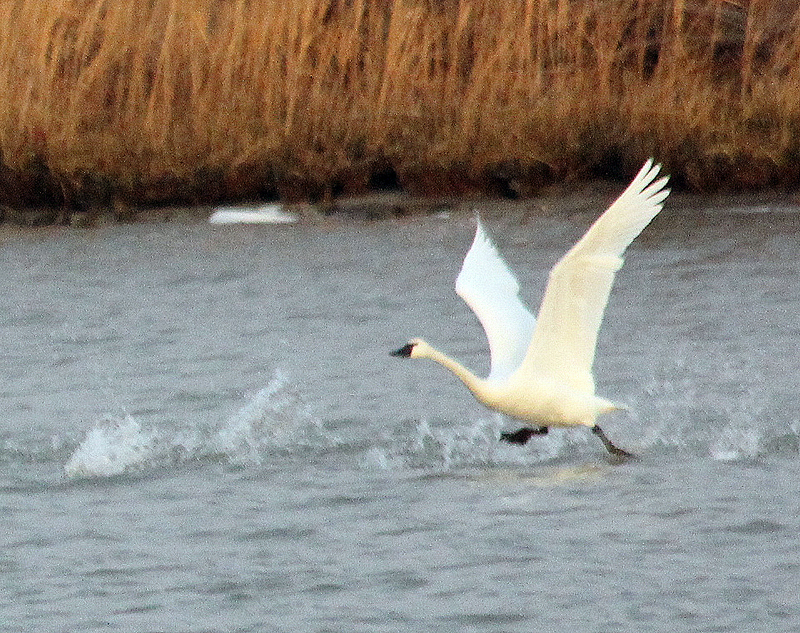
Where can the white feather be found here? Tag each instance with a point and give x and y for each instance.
(490, 289)
(564, 341)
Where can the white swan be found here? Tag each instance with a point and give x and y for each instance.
(541, 369)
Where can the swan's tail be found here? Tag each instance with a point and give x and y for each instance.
(606, 406)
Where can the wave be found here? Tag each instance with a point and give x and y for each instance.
(112, 448)
(446, 446)
(277, 418)
(277, 423)
(731, 422)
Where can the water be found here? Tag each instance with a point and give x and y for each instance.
(203, 431)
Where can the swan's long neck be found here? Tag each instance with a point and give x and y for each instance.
(473, 383)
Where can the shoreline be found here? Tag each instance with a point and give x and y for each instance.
(586, 198)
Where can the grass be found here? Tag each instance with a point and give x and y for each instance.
(207, 99)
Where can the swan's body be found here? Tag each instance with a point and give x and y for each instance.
(541, 369)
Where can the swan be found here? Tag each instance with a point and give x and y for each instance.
(541, 368)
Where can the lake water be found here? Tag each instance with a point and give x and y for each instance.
(202, 430)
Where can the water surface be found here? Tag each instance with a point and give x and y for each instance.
(203, 431)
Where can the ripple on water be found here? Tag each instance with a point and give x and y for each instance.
(755, 527)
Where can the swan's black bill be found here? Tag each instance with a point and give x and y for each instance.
(522, 435)
(403, 352)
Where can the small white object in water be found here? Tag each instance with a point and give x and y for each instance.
(265, 214)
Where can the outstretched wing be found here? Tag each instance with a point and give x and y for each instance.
(490, 289)
(565, 337)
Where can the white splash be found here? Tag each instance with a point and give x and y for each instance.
(475, 443)
(735, 443)
(377, 458)
(113, 447)
(275, 417)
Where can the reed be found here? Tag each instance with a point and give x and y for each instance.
(205, 99)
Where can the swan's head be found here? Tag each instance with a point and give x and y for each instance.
(415, 348)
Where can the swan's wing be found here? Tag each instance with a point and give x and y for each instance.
(490, 289)
(564, 340)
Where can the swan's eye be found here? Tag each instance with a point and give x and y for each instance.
(405, 351)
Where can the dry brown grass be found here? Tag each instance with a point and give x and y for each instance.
(202, 99)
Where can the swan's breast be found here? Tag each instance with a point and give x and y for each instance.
(542, 401)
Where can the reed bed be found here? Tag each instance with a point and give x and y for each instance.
(207, 99)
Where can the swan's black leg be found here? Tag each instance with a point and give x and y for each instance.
(616, 452)
(523, 435)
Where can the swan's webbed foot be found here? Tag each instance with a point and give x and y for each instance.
(615, 451)
(521, 436)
